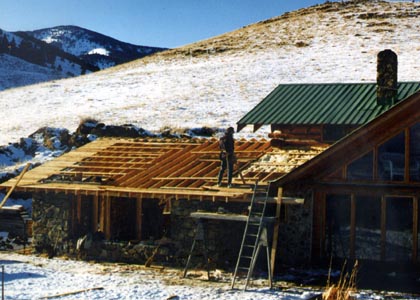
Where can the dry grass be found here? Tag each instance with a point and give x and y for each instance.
(345, 288)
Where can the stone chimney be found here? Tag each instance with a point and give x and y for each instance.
(387, 77)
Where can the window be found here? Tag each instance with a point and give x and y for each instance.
(338, 226)
(415, 153)
(399, 228)
(332, 133)
(368, 228)
(391, 159)
(361, 168)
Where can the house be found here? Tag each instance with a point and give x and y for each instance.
(328, 112)
(134, 194)
(349, 150)
(363, 190)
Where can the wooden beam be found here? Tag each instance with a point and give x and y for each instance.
(78, 207)
(352, 226)
(15, 184)
(276, 230)
(257, 126)
(139, 217)
(407, 155)
(73, 201)
(95, 213)
(107, 217)
(102, 214)
(383, 228)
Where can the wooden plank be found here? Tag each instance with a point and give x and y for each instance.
(88, 173)
(79, 207)
(105, 167)
(276, 231)
(107, 217)
(186, 178)
(139, 217)
(102, 214)
(15, 184)
(73, 213)
(227, 217)
(95, 213)
(72, 293)
(226, 189)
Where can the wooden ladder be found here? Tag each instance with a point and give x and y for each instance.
(255, 237)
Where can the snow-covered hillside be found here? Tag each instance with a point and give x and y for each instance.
(25, 73)
(95, 48)
(215, 82)
(26, 60)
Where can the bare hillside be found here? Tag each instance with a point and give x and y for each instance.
(216, 81)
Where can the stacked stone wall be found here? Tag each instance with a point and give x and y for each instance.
(53, 233)
(223, 238)
(294, 245)
(51, 216)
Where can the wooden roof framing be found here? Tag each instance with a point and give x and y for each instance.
(156, 168)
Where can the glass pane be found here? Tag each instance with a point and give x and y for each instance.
(368, 228)
(338, 226)
(361, 168)
(399, 229)
(415, 153)
(391, 159)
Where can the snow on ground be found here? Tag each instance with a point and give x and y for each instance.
(29, 277)
(35, 277)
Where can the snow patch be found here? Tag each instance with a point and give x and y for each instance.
(100, 51)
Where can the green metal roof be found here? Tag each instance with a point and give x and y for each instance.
(316, 104)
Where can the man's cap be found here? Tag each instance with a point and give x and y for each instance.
(230, 130)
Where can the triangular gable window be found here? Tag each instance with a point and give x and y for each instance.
(415, 153)
(361, 168)
(393, 157)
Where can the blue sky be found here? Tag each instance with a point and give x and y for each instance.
(161, 23)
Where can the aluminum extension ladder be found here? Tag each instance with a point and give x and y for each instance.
(255, 237)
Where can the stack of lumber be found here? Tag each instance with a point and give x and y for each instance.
(14, 220)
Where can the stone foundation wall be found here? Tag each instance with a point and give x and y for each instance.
(53, 233)
(223, 237)
(51, 227)
(295, 235)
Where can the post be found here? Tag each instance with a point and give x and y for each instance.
(15, 184)
(78, 207)
(276, 230)
(139, 216)
(95, 214)
(107, 217)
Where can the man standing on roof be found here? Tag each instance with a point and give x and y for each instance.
(227, 156)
